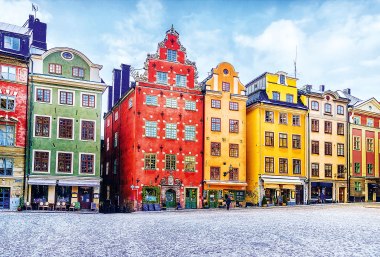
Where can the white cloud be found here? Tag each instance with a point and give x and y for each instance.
(17, 12)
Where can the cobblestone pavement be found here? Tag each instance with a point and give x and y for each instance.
(323, 230)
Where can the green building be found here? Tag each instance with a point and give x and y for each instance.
(64, 129)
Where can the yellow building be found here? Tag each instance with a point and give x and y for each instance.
(276, 140)
(327, 139)
(225, 137)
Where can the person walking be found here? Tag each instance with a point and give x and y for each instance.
(228, 203)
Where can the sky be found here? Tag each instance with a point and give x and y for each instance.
(334, 43)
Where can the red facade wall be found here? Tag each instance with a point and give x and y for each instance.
(357, 154)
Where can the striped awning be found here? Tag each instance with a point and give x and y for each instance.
(79, 182)
(42, 181)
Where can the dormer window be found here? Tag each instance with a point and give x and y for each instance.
(282, 79)
(78, 72)
(12, 43)
(172, 55)
(276, 96)
(55, 68)
(162, 77)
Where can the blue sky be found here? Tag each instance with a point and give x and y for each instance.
(338, 42)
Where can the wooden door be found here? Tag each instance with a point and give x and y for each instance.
(191, 198)
(341, 194)
(4, 197)
(170, 198)
(85, 197)
(213, 198)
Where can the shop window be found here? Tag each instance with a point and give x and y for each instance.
(39, 193)
(63, 194)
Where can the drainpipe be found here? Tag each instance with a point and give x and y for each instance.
(348, 162)
(308, 152)
(28, 163)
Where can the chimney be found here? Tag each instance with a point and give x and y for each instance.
(110, 104)
(116, 85)
(125, 74)
(308, 88)
(322, 88)
(347, 91)
(38, 33)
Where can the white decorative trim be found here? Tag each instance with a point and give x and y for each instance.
(72, 163)
(34, 126)
(46, 88)
(80, 131)
(73, 130)
(80, 164)
(81, 100)
(59, 97)
(41, 172)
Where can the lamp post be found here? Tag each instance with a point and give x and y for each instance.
(230, 169)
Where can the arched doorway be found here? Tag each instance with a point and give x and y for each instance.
(170, 196)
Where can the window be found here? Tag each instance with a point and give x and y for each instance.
(315, 125)
(116, 139)
(215, 104)
(269, 117)
(315, 169)
(42, 126)
(41, 161)
(289, 98)
(162, 77)
(130, 103)
(234, 174)
(369, 122)
(88, 100)
(151, 100)
(7, 103)
(215, 124)
(315, 147)
(269, 164)
(171, 131)
(269, 138)
(116, 115)
(64, 162)
(214, 173)
(340, 148)
(226, 86)
(340, 171)
(180, 80)
(296, 120)
(234, 150)
(296, 141)
(8, 73)
(328, 108)
(190, 133)
(328, 127)
(358, 186)
(171, 103)
(55, 68)
(190, 105)
(276, 96)
(172, 55)
(115, 166)
(370, 169)
(296, 166)
(340, 128)
(282, 79)
(12, 43)
(7, 135)
(87, 163)
(66, 98)
(357, 167)
(340, 110)
(107, 167)
(369, 144)
(234, 106)
(78, 72)
(6, 167)
(357, 143)
(43, 95)
(108, 143)
(328, 148)
(150, 128)
(283, 140)
(150, 161)
(328, 170)
(234, 126)
(65, 128)
(315, 105)
(283, 165)
(215, 149)
(357, 120)
(190, 163)
(170, 161)
(283, 118)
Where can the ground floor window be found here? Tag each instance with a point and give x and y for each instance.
(39, 193)
(151, 194)
(63, 194)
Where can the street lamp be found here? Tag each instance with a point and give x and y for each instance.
(229, 171)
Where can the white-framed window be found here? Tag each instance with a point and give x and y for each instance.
(190, 133)
(370, 122)
(283, 118)
(66, 97)
(88, 130)
(88, 100)
(42, 125)
(64, 162)
(315, 105)
(171, 131)
(171, 103)
(162, 77)
(150, 128)
(8, 72)
(180, 80)
(65, 127)
(172, 55)
(43, 95)
(41, 161)
(190, 105)
(116, 115)
(7, 102)
(12, 43)
(328, 108)
(55, 68)
(7, 135)
(340, 110)
(87, 163)
(78, 72)
(151, 100)
(357, 120)
(6, 166)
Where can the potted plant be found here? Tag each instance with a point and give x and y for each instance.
(284, 200)
(21, 204)
(264, 202)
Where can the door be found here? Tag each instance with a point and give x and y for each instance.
(5, 194)
(170, 199)
(299, 194)
(85, 197)
(191, 198)
(341, 194)
(213, 199)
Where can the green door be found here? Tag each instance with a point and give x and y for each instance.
(213, 198)
(170, 198)
(191, 198)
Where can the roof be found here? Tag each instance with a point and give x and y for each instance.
(353, 99)
(14, 28)
(262, 97)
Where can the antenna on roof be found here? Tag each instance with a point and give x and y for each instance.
(35, 9)
(295, 64)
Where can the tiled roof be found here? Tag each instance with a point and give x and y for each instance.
(353, 99)
(262, 97)
(14, 28)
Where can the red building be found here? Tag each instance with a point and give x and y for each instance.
(154, 132)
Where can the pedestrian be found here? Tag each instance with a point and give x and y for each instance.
(228, 202)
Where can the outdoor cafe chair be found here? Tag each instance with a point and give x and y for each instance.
(41, 206)
(63, 206)
(28, 206)
(46, 206)
(72, 207)
(58, 206)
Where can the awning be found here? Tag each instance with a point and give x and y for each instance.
(272, 186)
(321, 184)
(77, 182)
(42, 181)
(283, 180)
(291, 187)
(226, 183)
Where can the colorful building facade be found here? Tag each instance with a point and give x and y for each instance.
(158, 126)
(225, 137)
(65, 116)
(327, 145)
(276, 140)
